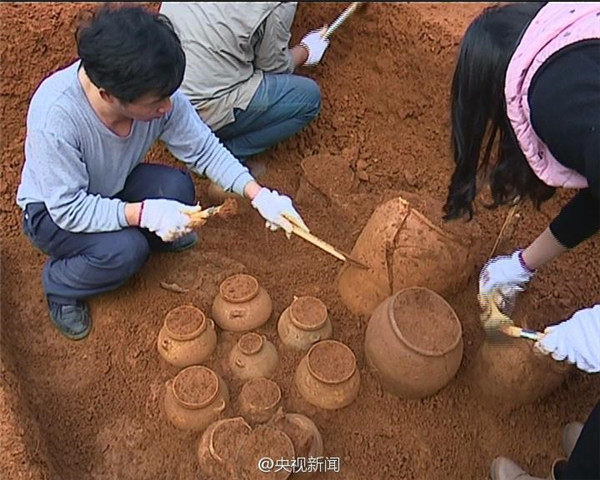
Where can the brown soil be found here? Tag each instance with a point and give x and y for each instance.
(69, 408)
(309, 311)
(425, 321)
(261, 392)
(250, 343)
(184, 320)
(228, 438)
(331, 361)
(195, 385)
(264, 441)
(238, 287)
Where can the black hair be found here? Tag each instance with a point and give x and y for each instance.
(131, 52)
(479, 119)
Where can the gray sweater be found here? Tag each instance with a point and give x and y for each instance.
(75, 164)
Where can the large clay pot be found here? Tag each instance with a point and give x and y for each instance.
(402, 249)
(253, 356)
(187, 337)
(307, 440)
(259, 400)
(195, 398)
(327, 376)
(264, 442)
(304, 323)
(414, 343)
(241, 304)
(512, 372)
(218, 447)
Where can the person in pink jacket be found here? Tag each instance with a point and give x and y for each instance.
(527, 83)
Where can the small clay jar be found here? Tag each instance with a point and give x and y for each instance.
(187, 337)
(253, 356)
(264, 442)
(327, 376)
(259, 399)
(195, 398)
(218, 446)
(304, 434)
(304, 323)
(414, 343)
(241, 304)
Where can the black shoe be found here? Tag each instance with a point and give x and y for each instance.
(182, 243)
(72, 320)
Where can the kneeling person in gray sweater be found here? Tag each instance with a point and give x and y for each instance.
(89, 202)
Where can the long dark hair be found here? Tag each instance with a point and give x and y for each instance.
(479, 119)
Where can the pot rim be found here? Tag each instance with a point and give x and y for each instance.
(186, 336)
(321, 379)
(218, 425)
(396, 329)
(252, 351)
(302, 326)
(246, 298)
(262, 379)
(196, 405)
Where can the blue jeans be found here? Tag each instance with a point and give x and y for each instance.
(282, 105)
(82, 265)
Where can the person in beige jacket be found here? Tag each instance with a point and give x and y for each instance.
(240, 70)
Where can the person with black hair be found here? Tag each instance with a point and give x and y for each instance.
(527, 81)
(240, 71)
(89, 201)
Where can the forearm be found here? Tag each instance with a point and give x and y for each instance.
(133, 213)
(251, 189)
(542, 250)
(299, 55)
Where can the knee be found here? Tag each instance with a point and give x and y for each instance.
(126, 254)
(312, 93)
(178, 185)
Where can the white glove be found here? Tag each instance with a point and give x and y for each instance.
(505, 274)
(272, 205)
(576, 340)
(316, 46)
(166, 218)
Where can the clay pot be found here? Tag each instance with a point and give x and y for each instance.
(511, 371)
(242, 304)
(259, 399)
(195, 398)
(264, 442)
(253, 356)
(402, 249)
(414, 343)
(218, 447)
(304, 322)
(187, 337)
(327, 376)
(304, 434)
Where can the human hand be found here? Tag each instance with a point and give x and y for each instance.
(576, 340)
(315, 44)
(505, 274)
(166, 218)
(273, 207)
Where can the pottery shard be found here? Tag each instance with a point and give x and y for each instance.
(404, 248)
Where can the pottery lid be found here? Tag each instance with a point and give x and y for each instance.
(239, 288)
(251, 343)
(185, 322)
(261, 392)
(308, 313)
(331, 361)
(264, 442)
(196, 386)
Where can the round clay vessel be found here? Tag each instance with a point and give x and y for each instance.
(218, 446)
(195, 398)
(264, 442)
(304, 434)
(259, 399)
(414, 343)
(327, 376)
(187, 337)
(241, 304)
(514, 373)
(304, 323)
(253, 356)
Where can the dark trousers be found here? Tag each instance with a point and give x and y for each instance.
(82, 265)
(584, 462)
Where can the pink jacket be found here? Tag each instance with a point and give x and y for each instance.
(555, 26)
